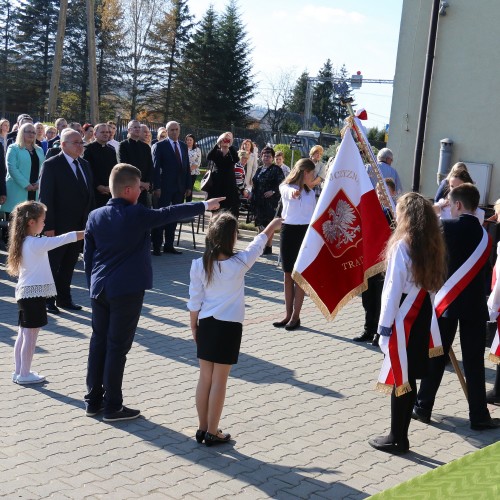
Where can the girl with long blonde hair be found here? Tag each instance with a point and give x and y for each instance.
(28, 260)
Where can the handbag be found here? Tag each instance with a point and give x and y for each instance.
(207, 181)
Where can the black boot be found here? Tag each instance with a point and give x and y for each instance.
(364, 337)
(493, 396)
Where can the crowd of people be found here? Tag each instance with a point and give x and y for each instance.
(72, 181)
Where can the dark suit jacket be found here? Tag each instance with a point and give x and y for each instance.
(102, 159)
(171, 177)
(67, 205)
(462, 237)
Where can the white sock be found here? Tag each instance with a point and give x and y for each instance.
(17, 350)
(28, 349)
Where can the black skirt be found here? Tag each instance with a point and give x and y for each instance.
(290, 242)
(218, 341)
(418, 343)
(32, 312)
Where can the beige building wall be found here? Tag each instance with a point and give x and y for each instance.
(464, 101)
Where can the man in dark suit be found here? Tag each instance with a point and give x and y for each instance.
(102, 158)
(172, 182)
(463, 235)
(60, 125)
(137, 153)
(66, 187)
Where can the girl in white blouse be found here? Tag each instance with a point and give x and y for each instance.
(299, 202)
(217, 310)
(28, 259)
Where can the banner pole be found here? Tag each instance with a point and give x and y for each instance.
(386, 201)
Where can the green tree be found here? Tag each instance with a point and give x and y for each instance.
(7, 33)
(297, 102)
(236, 88)
(199, 72)
(167, 42)
(323, 105)
(36, 25)
(342, 91)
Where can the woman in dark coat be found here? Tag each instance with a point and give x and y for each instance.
(266, 193)
(221, 161)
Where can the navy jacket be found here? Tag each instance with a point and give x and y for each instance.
(462, 236)
(117, 252)
(169, 176)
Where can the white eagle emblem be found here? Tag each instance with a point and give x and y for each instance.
(340, 228)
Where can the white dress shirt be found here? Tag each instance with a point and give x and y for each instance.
(297, 210)
(224, 297)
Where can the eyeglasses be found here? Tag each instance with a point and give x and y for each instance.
(80, 143)
(29, 132)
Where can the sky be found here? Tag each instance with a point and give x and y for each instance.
(297, 35)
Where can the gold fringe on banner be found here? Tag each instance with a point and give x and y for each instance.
(403, 389)
(494, 358)
(349, 124)
(434, 352)
(309, 290)
(384, 388)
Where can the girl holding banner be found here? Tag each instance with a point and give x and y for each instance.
(416, 264)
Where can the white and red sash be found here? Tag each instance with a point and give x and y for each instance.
(461, 278)
(394, 370)
(494, 355)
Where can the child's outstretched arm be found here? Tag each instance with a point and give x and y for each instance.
(273, 226)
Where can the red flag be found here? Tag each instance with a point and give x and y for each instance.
(343, 245)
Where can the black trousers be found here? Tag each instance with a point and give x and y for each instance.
(371, 299)
(114, 322)
(169, 229)
(472, 340)
(62, 264)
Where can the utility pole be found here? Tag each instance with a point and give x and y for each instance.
(94, 100)
(56, 67)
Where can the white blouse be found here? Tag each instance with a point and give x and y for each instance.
(297, 210)
(494, 299)
(194, 159)
(224, 297)
(445, 211)
(398, 280)
(35, 276)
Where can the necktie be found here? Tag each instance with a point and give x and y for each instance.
(177, 154)
(79, 176)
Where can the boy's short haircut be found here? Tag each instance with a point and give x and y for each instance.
(121, 176)
(467, 194)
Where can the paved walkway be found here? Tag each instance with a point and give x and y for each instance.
(300, 406)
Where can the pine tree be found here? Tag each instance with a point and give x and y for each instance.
(36, 23)
(236, 88)
(342, 91)
(7, 33)
(167, 42)
(297, 102)
(199, 72)
(323, 105)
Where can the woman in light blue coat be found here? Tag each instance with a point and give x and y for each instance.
(24, 164)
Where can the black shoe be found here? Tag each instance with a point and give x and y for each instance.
(375, 340)
(492, 423)
(93, 410)
(267, 250)
(172, 250)
(382, 443)
(123, 414)
(220, 437)
(292, 326)
(157, 252)
(200, 435)
(52, 308)
(418, 415)
(69, 305)
(492, 398)
(280, 324)
(364, 337)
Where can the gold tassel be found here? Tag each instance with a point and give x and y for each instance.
(403, 389)
(436, 351)
(384, 388)
(494, 358)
